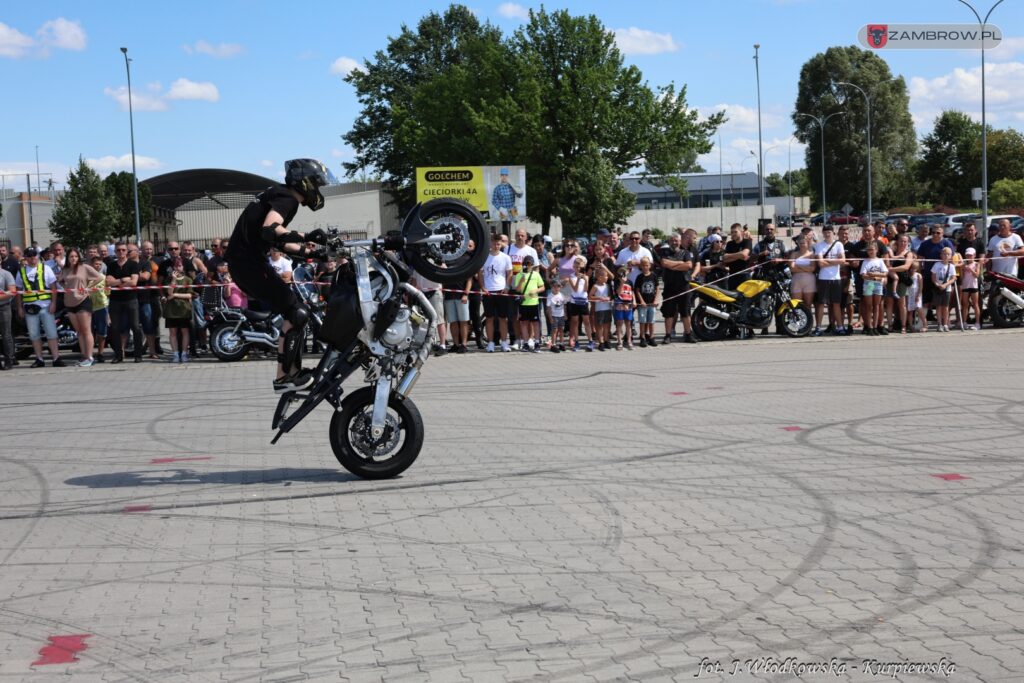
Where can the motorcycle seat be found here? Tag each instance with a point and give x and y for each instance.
(257, 315)
(721, 290)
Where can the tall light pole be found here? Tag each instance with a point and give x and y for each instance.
(868, 100)
(39, 178)
(821, 124)
(789, 173)
(760, 150)
(131, 125)
(721, 183)
(984, 128)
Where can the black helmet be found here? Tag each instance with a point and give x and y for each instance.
(307, 176)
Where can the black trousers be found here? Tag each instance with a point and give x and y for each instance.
(474, 317)
(124, 316)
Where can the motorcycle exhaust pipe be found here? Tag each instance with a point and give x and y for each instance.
(1012, 296)
(258, 338)
(408, 382)
(717, 313)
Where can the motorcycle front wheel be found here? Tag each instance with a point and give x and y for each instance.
(386, 457)
(1004, 313)
(708, 327)
(795, 321)
(226, 344)
(451, 262)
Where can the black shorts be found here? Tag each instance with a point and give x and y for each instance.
(829, 292)
(84, 307)
(578, 310)
(496, 305)
(940, 297)
(528, 313)
(177, 323)
(260, 281)
(677, 304)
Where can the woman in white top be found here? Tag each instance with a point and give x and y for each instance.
(943, 276)
(969, 294)
(804, 268)
(579, 307)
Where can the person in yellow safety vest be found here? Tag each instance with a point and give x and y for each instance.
(37, 304)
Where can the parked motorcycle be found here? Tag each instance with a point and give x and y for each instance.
(234, 332)
(1005, 300)
(380, 324)
(750, 307)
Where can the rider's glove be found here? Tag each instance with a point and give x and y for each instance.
(318, 236)
(306, 252)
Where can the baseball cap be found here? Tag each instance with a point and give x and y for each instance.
(603, 232)
(714, 238)
(971, 250)
(31, 251)
(503, 171)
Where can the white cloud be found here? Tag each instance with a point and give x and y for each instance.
(184, 89)
(345, 153)
(13, 43)
(513, 10)
(343, 66)
(141, 101)
(111, 163)
(62, 34)
(266, 163)
(220, 51)
(961, 89)
(1007, 49)
(742, 119)
(638, 41)
(59, 172)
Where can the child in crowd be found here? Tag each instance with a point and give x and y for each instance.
(943, 276)
(645, 288)
(873, 273)
(579, 307)
(529, 284)
(601, 295)
(178, 310)
(915, 308)
(100, 299)
(970, 297)
(623, 310)
(556, 304)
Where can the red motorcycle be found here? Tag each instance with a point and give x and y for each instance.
(1005, 300)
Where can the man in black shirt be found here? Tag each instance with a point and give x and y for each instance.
(124, 303)
(678, 269)
(262, 225)
(737, 253)
(970, 238)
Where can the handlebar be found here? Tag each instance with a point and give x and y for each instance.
(391, 243)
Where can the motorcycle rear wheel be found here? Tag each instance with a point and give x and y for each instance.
(393, 453)
(709, 327)
(450, 263)
(1004, 313)
(796, 321)
(226, 344)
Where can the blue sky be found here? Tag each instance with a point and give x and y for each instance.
(246, 85)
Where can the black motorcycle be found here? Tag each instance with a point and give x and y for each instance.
(751, 307)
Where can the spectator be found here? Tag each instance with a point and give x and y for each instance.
(124, 303)
(11, 263)
(196, 269)
(704, 243)
(1005, 248)
(178, 310)
(632, 255)
(971, 240)
(495, 278)
(873, 274)
(149, 299)
(712, 265)
(8, 293)
(234, 297)
(432, 290)
(76, 279)
(503, 239)
(475, 318)
(830, 258)
(859, 254)
(456, 312)
(567, 262)
(846, 278)
(769, 248)
(915, 309)
(645, 289)
(529, 284)
(217, 257)
(970, 297)
(901, 266)
(544, 268)
(923, 231)
(613, 245)
(678, 267)
(279, 262)
(804, 267)
(625, 300)
(579, 305)
(99, 298)
(943, 276)
(601, 295)
(57, 258)
(929, 252)
(556, 306)
(737, 253)
(517, 252)
(37, 292)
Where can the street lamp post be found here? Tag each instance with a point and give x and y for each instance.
(789, 174)
(984, 127)
(760, 150)
(868, 100)
(821, 124)
(131, 127)
(721, 183)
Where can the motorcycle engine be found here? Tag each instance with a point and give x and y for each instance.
(409, 330)
(759, 315)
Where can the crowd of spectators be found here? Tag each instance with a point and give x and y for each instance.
(528, 296)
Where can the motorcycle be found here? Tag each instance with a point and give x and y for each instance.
(1005, 300)
(67, 338)
(750, 307)
(380, 324)
(234, 332)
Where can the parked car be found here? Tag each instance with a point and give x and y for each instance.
(953, 225)
(837, 218)
(876, 216)
(922, 218)
(893, 217)
(993, 223)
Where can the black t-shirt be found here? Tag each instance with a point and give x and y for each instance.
(147, 296)
(246, 240)
(11, 265)
(980, 248)
(647, 286)
(768, 250)
(117, 271)
(677, 280)
(734, 247)
(859, 251)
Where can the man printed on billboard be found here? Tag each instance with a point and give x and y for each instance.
(504, 200)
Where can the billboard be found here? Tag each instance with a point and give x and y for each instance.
(498, 192)
(929, 36)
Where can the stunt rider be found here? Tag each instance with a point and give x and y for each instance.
(262, 225)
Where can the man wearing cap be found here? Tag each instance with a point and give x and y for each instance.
(504, 200)
(37, 295)
(831, 257)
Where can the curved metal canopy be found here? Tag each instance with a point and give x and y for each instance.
(205, 188)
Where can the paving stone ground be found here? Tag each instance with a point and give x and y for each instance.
(644, 515)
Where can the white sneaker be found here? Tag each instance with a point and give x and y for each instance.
(977, 326)
(530, 345)
(184, 357)
(85, 363)
(515, 345)
(490, 347)
(505, 347)
(176, 357)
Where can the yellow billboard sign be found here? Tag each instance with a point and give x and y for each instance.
(459, 182)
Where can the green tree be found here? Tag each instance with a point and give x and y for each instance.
(84, 214)
(1005, 155)
(893, 142)
(119, 187)
(1007, 194)
(947, 169)
(778, 183)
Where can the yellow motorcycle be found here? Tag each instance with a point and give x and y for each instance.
(750, 307)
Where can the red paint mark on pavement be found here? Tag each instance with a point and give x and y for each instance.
(792, 428)
(678, 393)
(161, 461)
(950, 477)
(61, 650)
(137, 508)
